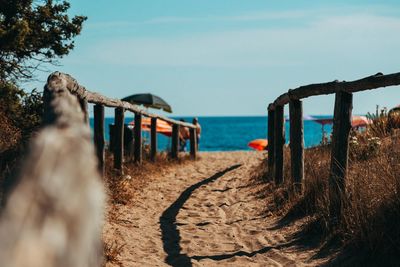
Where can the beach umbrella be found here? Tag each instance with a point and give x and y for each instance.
(148, 100)
(163, 127)
(359, 121)
(305, 118)
(324, 121)
(258, 144)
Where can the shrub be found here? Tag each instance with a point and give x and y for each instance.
(368, 227)
(20, 117)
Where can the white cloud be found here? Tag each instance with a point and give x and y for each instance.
(351, 37)
(253, 16)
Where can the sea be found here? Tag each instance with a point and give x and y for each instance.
(232, 133)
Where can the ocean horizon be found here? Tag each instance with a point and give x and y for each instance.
(232, 133)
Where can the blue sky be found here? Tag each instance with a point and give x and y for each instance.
(232, 57)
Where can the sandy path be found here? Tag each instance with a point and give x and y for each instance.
(203, 214)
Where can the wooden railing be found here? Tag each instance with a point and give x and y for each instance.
(101, 101)
(59, 192)
(340, 137)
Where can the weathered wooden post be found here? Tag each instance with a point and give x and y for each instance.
(99, 136)
(119, 139)
(175, 141)
(138, 138)
(340, 151)
(271, 142)
(296, 143)
(153, 139)
(111, 144)
(128, 143)
(84, 105)
(279, 136)
(193, 143)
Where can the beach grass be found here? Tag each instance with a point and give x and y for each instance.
(367, 232)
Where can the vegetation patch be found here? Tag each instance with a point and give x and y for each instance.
(367, 232)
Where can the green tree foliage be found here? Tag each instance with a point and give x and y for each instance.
(20, 117)
(34, 32)
(24, 110)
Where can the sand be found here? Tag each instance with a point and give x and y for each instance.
(204, 213)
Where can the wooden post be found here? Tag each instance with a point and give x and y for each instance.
(111, 144)
(119, 139)
(340, 150)
(279, 144)
(138, 138)
(128, 143)
(175, 141)
(84, 105)
(99, 136)
(153, 139)
(271, 143)
(296, 143)
(193, 143)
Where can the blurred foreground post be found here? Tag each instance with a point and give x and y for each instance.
(54, 215)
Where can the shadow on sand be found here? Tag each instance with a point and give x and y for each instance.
(169, 227)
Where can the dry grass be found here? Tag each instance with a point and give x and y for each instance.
(368, 229)
(112, 252)
(122, 188)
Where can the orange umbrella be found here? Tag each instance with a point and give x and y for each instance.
(258, 144)
(359, 121)
(163, 127)
(356, 121)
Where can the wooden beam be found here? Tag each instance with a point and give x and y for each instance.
(279, 144)
(175, 141)
(153, 139)
(99, 136)
(138, 138)
(340, 150)
(119, 139)
(193, 143)
(296, 143)
(92, 97)
(368, 83)
(271, 143)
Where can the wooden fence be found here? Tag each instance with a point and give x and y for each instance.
(59, 191)
(121, 107)
(340, 137)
